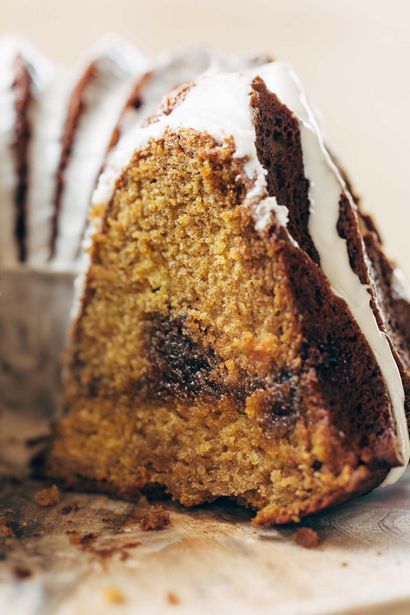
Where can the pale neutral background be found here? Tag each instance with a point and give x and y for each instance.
(353, 56)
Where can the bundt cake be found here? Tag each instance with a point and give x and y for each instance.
(50, 156)
(239, 331)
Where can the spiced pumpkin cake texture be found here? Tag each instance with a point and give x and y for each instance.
(238, 331)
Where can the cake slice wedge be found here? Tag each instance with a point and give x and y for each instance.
(238, 332)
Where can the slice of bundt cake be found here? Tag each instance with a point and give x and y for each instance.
(240, 332)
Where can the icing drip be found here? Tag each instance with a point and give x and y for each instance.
(263, 213)
(169, 72)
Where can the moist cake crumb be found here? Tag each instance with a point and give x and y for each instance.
(113, 595)
(5, 530)
(49, 496)
(155, 518)
(173, 598)
(21, 573)
(74, 537)
(307, 538)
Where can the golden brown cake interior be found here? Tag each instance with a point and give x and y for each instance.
(186, 367)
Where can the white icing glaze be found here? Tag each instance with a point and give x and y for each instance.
(220, 106)
(168, 72)
(119, 65)
(173, 70)
(263, 213)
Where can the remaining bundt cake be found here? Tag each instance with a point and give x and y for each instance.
(54, 135)
(239, 331)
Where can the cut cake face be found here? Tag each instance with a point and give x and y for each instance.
(239, 331)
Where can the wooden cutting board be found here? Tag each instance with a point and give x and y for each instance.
(87, 555)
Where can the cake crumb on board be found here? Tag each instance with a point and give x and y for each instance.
(149, 518)
(173, 598)
(155, 518)
(113, 595)
(306, 537)
(49, 496)
(22, 572)
(5, 530)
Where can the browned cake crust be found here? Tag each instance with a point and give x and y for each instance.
(216, 361)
